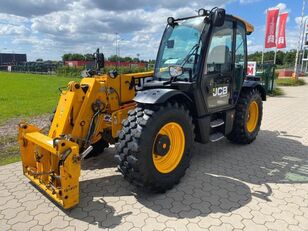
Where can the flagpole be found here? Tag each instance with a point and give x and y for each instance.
(264, 42)
(277, 34)
(295, 74)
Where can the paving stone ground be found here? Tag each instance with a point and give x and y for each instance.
(261, 186)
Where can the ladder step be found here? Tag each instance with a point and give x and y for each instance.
(216, 137)
(216, 123)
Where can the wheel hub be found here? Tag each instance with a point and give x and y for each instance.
(168, 147)
(162, 145)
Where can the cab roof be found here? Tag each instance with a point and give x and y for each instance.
(249, 27)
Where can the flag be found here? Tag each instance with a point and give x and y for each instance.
(281, 37)
(271, 22)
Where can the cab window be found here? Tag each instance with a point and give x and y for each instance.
(219, 57)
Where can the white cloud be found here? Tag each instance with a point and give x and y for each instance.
(81, 26)
(12, 19)
(32, 7)
(9, 29)
(282, 8)
(298, 20)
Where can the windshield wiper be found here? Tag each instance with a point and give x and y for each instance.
(190, 53)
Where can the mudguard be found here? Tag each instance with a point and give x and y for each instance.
(158, 95)
(255, 84)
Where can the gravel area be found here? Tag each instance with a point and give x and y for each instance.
(9, 128)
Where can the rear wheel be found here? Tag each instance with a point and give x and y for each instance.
(248, 117)
(154, 147)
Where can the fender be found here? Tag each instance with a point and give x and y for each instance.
(158, 95)
(257, 85)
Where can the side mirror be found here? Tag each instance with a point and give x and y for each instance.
(175, 71)
(218, 17)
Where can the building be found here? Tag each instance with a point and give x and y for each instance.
(7, 59)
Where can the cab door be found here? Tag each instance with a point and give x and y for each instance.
(216, 83)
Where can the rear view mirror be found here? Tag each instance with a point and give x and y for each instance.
(218, 17)
(175, 71)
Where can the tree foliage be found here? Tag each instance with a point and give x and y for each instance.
(89, 57)
(283, 58)
(73, 57)
(115, 58)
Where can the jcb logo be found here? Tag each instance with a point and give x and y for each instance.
(220, 91)
(139, 83)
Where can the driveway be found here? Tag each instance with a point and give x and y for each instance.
(260, 186)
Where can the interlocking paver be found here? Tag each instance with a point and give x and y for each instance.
(56, 222)
(25, 225)
(260, 186)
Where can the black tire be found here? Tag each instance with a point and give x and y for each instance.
(135, 145)
(240, 133)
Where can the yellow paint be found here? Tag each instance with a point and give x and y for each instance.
(167, 163)
(113, 97)
(249, 27)
(253, 116)
(41, 164)
(117, 118)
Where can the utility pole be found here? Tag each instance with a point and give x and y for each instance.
(116, 49)
(303, 46)
(295, 73)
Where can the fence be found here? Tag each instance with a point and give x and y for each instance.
(34, 67)
(267, 73)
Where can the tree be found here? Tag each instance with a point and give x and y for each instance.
(89, 57)
(77, 57)
(289, 58)
(66, 57)
(280, 57)
(72, 57)
(114, 58)
(127, 59)
(39, 60)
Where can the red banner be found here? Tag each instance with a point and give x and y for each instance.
(270, 33)
(281, 38)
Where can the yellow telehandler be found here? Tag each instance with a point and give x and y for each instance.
(198, 91)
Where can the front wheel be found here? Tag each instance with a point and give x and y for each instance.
(154, 147)
(248, 116)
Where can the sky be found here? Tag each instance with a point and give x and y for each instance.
(49, 28)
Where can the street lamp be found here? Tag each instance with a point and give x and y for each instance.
(116, 40)
(119, 46)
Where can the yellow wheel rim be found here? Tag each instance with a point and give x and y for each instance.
(172, 158)
(253, 116)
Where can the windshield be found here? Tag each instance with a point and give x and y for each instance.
(180, 47)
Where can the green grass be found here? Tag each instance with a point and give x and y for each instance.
(25, 95)
(9, 150)
(277, 92)
(290, 82)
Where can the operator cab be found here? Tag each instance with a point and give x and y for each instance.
(204, 56)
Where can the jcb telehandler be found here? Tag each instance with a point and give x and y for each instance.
(197, 91)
